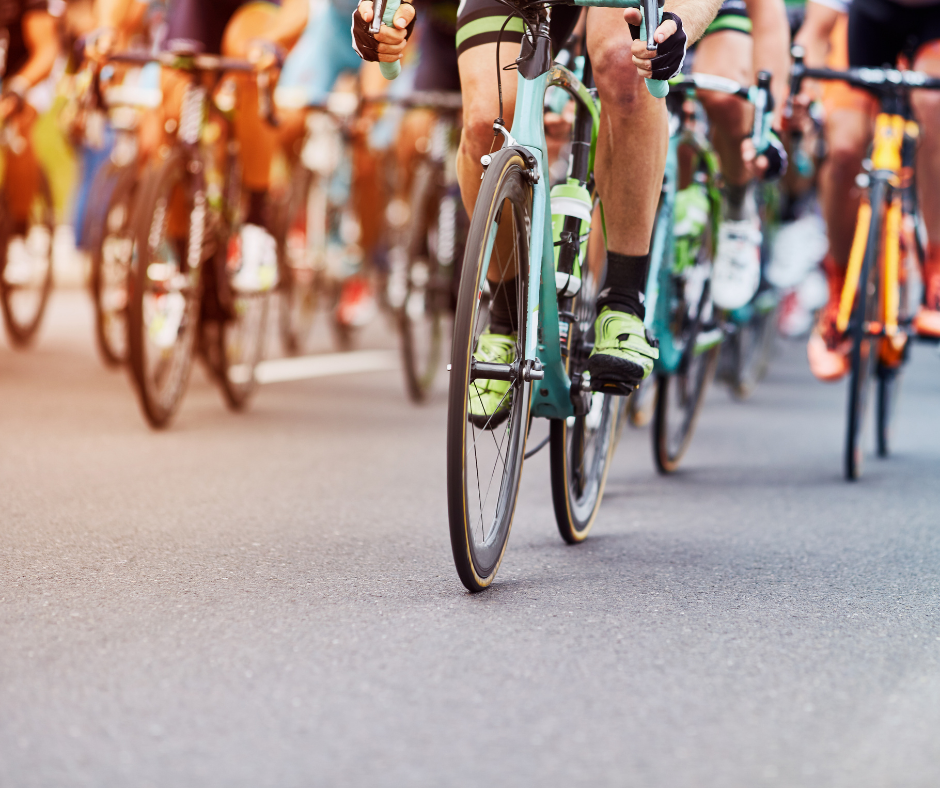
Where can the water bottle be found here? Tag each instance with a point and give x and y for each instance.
(692, 216)
(570, 199)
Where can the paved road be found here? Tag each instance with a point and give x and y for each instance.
(268, 599)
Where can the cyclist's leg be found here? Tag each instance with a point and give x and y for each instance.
(848, 130)
(631, 156)
(728, 53)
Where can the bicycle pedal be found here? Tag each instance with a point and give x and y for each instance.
(616, 388)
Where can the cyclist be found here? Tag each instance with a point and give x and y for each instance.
(29, 43)
(747, 36)
(263, 33)
(879, 33)
(631, 153)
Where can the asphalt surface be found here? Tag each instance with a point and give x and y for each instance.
(268, 599)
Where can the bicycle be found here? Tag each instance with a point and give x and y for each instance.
(425, 261)
(875, 311)
(679, 311)
(176, 303)
(555, 332)
(109, 226)
(26, 275)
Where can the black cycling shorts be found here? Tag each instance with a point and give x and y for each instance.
(437, 55)
(480, 22)
(13, 51)
(880, 31)
(199, 25)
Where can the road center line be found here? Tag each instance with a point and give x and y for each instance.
(285, 369)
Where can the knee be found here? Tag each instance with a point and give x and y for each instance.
(616, 78)
(845, 153)
(477, 136)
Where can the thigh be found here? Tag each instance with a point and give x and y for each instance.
(239, 26)
(726, 53)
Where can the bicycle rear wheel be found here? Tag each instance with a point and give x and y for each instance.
(111, 262)
(26, 266)
(864, 353)
(582, 446)
(889, 390)
(484, 460)
(165, 288)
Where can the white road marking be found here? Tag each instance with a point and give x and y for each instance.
(284, 369)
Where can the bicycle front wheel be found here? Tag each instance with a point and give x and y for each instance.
(863, 356)
(164, 289)
(485, 454)
(26, 266)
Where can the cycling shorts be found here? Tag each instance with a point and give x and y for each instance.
(731, 16)
(881, 31)
(321, 54)
(480, 22)
(437, 58)
(199, 25)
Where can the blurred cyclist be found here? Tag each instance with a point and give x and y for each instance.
(746, 37)
(29, 46)
(261, 32)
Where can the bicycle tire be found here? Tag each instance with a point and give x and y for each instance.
(24, 304)
(581, 447)
(427, 292)
(681, 394)
(752, 347)
(161, 373)
(889, 387)
(863, 354)
(300, 258)
(110, 263)
(505, 185)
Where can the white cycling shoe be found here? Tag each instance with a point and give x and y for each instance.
(257, 268)
(736, 273)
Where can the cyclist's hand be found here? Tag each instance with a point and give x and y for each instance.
(799, 119)
(770, 164)
(100, 43)
(388, 44)
(666, 60)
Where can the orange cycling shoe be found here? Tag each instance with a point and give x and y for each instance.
(927, 321)
(828, 350)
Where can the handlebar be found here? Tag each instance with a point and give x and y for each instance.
(208, 63)
(888, 80)
(383, 12)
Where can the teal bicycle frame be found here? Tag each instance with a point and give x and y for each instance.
(663, 248)
(552, 392)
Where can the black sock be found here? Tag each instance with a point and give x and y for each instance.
(257, 208)
(625, 283)
(504, 311)
(734, 200)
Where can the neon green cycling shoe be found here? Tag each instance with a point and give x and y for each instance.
(490, 399)
(623, 352)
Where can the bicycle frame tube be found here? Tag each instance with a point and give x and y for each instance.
(551, 395)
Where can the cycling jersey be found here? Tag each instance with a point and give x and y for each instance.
(13, 51)
(731, 16)
(199, 25)
(480, 22)
(880, 31)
